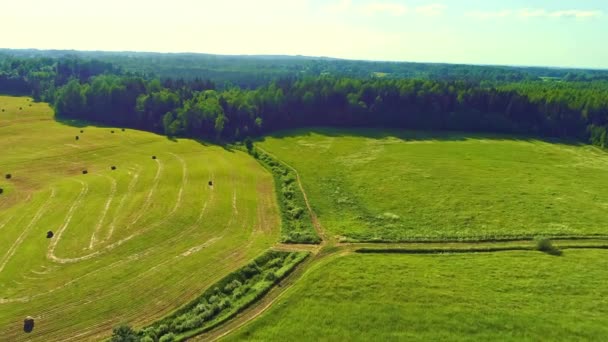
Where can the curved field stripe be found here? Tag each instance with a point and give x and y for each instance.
(21, 237)
(134, 257)
(68, 218)
(6, 222)
(104, 212)
(148, 201)
(130, 189)
(139, 232)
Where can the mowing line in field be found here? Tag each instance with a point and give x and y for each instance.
(21, 237)
(148, 201)
(6, 222)
(51, 250)
(139, 232)
(104, 212)
(184, 180)
(130, 190)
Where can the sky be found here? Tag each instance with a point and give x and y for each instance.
(562, 33)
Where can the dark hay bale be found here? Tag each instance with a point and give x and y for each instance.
(113, 168)
(82, 131)
(77, 137)
(112, 132)
(84, 172)
(28, 324)
(210, 183)
(49, 234)
(8, 176)
(1, 191)
(123, 129)
(2, 110)
(20, 108)
(153, 157)
(30, 104)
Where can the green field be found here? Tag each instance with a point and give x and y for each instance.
(515, 296)
(130, 245)
(379, 185)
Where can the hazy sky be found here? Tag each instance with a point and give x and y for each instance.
(532, 32)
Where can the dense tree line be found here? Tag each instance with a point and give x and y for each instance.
(101, 92)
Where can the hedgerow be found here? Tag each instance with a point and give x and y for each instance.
(225, 299)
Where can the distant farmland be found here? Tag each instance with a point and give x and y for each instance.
(137, 235)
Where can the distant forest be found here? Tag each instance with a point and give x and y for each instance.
(227, 98)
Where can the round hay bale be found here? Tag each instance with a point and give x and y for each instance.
(210, 183)
(1, 191)
(113, 168)
(77, 138)
(123, 129)
(8, 176)
(153, 157)
(84, 172)
(112, 132)
(28, 324)
(20, 108)
(49, 234)
(82, 131)
(30, 104)
(2, 110)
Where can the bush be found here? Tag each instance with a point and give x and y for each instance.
(124, 333)
(545, 245)
(170, 337)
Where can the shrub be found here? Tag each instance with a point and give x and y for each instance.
(249, 144)
(124, 333)
(167, 338)
(545, 245)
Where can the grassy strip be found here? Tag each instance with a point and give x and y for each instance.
(297, 224)
(478, 239)
(225, 299)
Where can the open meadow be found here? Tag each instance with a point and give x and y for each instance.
(147, 228)
(384, 185)
(506, 296)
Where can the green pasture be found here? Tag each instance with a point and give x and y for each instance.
(506, 296)
(383, 185)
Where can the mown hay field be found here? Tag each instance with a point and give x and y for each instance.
(128, 245)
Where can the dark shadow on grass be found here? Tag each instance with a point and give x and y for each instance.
(406, 135)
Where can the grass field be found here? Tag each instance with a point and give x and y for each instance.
(130, 245)
(515, 296)
(378, 185)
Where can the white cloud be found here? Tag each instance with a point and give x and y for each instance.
(576, 14)
(534, 13)
(431, 10)
(489, 14)
(385, 8)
